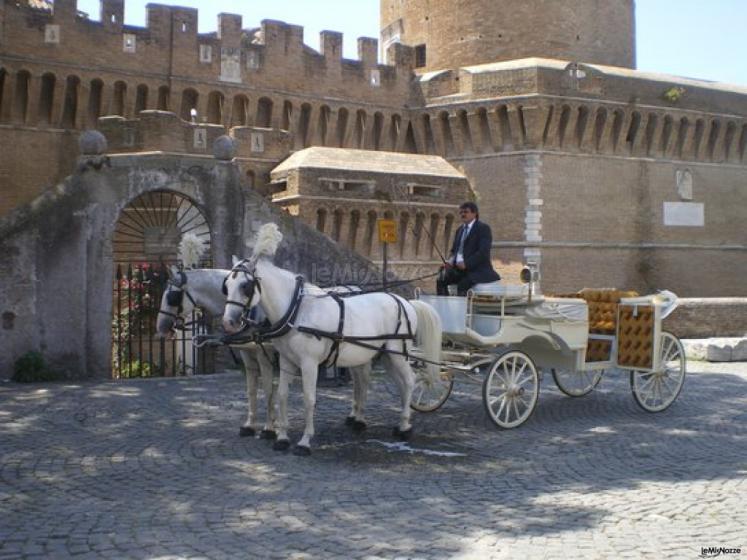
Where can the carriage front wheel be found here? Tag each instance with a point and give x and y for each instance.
(511, 389)
(431, 390)
(654, 391)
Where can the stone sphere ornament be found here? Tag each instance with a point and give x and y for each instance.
(224, 148)
(92, 143)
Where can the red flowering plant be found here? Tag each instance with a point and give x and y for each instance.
(136, 307)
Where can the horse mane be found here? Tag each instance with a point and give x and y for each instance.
(267, 241)
(190, 250)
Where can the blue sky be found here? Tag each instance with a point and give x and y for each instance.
(693, 38)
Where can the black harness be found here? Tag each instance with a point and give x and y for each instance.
(252, 333)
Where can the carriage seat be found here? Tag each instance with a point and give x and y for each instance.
(603, 304)
(498, 290)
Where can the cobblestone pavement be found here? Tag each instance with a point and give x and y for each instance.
(155, 469)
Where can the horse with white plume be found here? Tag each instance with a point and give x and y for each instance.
(189, 288)
(310, 327)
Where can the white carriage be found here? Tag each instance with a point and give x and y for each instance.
(505, 337)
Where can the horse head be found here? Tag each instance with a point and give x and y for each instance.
(176, 303)
(243, 292)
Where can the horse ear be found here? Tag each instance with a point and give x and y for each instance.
(235, 260)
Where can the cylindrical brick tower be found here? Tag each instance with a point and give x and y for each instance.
(456, 33)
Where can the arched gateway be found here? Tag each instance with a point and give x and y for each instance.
(145, 242)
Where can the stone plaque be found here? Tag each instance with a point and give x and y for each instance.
(200, 138)
(206, 54)
(689, 214)
(52, 34)
(129, 44)
(258, 142)
(230, 65)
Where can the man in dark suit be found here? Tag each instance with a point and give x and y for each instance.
(469, 261)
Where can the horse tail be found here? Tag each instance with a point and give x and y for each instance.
(428, 335)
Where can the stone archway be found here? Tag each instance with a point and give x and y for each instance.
(145, 242)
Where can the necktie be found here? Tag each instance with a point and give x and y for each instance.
(465, 232)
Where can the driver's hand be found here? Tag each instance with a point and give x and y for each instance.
(461, 266)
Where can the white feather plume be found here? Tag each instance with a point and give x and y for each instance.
(190, 250)
(267, 241)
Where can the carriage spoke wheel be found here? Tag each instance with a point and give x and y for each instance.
(577, 383)
(511, 390)
(430, 391)
(655, 391)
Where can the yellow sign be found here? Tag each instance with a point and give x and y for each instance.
(387, 231)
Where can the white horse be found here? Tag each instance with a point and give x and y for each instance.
(203, 288)
(372, 323)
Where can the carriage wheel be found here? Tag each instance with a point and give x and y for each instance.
(577, 383)
(430, 392)
(511, 389)
(654, 391)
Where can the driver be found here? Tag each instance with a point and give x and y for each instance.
(469, 261)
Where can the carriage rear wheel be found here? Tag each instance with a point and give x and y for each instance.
(577, 383)
(655, 391)
(511, 389)
(430, 391)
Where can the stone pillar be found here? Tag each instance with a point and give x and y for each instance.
(58, 102)
(81, 109)
(589, 140)
(479, 143)
(495, 130)
(718, 155)
(7, 95)
(688, 146)
(32, 115)
(516, 129)
(438, 135)
(619, 142)
(456, 134)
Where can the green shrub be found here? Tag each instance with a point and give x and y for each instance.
(33, 368)
(139, 369)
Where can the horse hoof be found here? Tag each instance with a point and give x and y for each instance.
(402, 435)
(247, 431)
(301, 451)
(268, 434)
(359, 426)
(350, 420)
(281, 445)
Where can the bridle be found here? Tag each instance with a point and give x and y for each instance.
(246, 268)
(174, 298)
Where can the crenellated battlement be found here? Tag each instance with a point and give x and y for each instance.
(169, 51)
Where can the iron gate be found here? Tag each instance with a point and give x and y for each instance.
(137, 350)
(146, 239)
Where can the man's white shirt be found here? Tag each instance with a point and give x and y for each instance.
(460, 247)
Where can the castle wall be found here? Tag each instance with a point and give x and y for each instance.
(603, 221)
(467, 33)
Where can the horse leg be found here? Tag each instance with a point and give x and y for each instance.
(250, 369)
(267, 370)
(309, 372)
(286, 370)
(405, 378)
(350, 419)
(363, 377)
